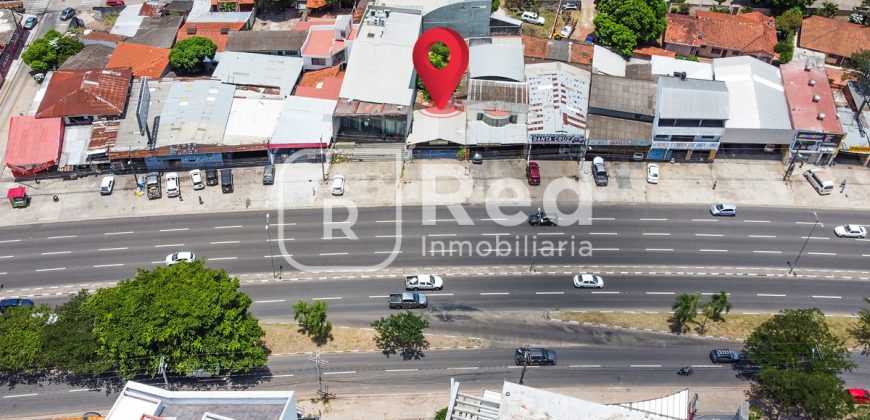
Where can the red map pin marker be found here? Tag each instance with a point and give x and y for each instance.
(441, 82)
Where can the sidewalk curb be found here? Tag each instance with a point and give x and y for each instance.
(299, 353)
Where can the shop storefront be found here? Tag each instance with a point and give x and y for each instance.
(684, 151)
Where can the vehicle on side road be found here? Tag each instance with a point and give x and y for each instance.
(652, 173)
(67, 13)
(183, 256)
(746, 369)
(535, 356)
(11, 303)
(226, 181)
(599, 172)
(269, 174)
(859, 395)
(196, 179)
(30, 23)
(107, 185)
(532, 17)
(152, 185)
(851, 231)
(533, 173)
(820, 179)
(540, 218)
(423, 282)
(173, 189)
(211, 177)
(588, 281)
(724, 209)
(477, 158)
(113, 3)
(408, 300)
(566, 31)
(724, 356)
(338, 185)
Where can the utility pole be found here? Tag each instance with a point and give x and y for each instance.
(322, 159)
(527, 355)
(318, 362)
(792, 266)
(161, 369)
(269, 241)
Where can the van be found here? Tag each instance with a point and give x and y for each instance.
(532, 17)
(599, 172)
(226, 181)
(820, 179)
(269, 174)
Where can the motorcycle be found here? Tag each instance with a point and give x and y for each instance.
(685, 371)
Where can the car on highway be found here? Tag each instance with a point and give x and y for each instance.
(177, 257)
(196, 179)
(532, 17)
(423, 282)
(533, 173)
(566, 31)
(408, 300)
(338, 185)
(851, 231)
(652, 173)
(107, 185)
(30, 23)
(172, 187)
(540, 218)
(723, 209)
(588, 281)
(11, 303)
(67, 13)
(535, 356)
(859, 395)
(724, 356)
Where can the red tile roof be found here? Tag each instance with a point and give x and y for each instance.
(73, 93)
(802, 108)
(322, 43)
(315, 4)
(746, 32)
(145, 60)
(33, 143)
(322, 84)
(304, 26)
(151, 9)
(210, 30)
(647, 52)
(833, 36)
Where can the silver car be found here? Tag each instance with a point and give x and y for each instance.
(851, 231)
(588, 281)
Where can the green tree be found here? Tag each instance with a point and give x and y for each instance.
(401, 333)
(69, 344)
(785, 48)
(828, 9)
(858, 69)
(228, 6)
(779, 6)
(495, 5)
(615, 35)
(193, 316)
(20, 346)
(792, 393)
(441, 414)
(312, 320)
(860, 330)
(720, 303)
(645, 18)
(188, 54)
(789, 21)
(685, 310)
(50, 51)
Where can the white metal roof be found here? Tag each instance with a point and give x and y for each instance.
(75, 145)
(304, 120)
(607, 62)
(380, 68)
(558, 98)
(479, 132)
(692, 99)
(428, 127)
(756, 94)
(668, 66)
(425, 5)
(494, 60)
(128, 21)
(252, 120)
(195, 111)
(241, 68)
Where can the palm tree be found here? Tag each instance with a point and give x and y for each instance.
(685, 310)
(719, 303)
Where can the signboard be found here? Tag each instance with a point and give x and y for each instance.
(686, 145)
(618, 142)
(143, 106)
(813, 141)
(564, 138)
(859, 149)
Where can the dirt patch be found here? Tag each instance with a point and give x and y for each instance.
(285, 338)
(735, 326)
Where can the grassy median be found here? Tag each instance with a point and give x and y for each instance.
(285, 338)
(734, 326)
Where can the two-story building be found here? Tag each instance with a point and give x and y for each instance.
(690, 119)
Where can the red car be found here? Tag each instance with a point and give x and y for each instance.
(860, 396)
(533, 173)
(112, 3)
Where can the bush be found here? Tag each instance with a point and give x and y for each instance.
(187, 55)
(785, 48)
(674, 10)
(684, 8)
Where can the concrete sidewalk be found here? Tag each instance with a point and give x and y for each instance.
(300, 185)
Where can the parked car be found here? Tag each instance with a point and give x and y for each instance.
(570, 6)
(196, 179)
(533, 173)
(566, 31)
(184, 256)
(536, 356)
(67, 13)
(477, 158)
(211, 177)
(173, 189)
(724, 209)
(724, 356)
(338, 185)
(226, 181)
(540, 218)
(652, 173)
(11, 303)
(532, 17)
(113, 3)
(269, 174)
(851, 231)
(107, 185)
(423, 282)
(599, 171)
(30, 23)
(588, 281)
(859, 395)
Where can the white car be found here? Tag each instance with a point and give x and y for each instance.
(423, 282)
(172, 188)
(851, 231)
(184, 256)
(566, 31)
(588, 281)
(338, 185)
(532, 17)
(652, 173)
(196, 179)
(107, 185)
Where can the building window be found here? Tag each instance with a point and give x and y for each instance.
(664, 122)
(662, 137)
(712, 123)
(688, 123)
(683, 138)
(716, 51)
(318, 61)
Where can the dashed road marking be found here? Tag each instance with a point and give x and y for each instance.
(10, 241)
(326, 254)
(756, 221)
(603, 233)
(56, 252)
(712, 250)
(660, 293)
(549, 293)
(223, 258)
(379, 296)
(605, 249)
(604, 293)
(767, 252)
(388, 252)
(822, 253)
(388, 236)
(85, 390)
(20, 395)
(50, 269)
(494, 293)
(108, 265)
(814, 237)
(175, 230)
(114, 249)
(346, 372)
(585, 366)
(656, 234)
(269, 301)
(715, 235)
(826, 297)
(769, 295)
(327, 298)
(653, 220)
(167, 245)
(129, 232)
(401, 370)
(223, 242)
(286, 375)
(659, 249)
(762, 236)
(229, 227)
(645, 366)
(441, 235)
(62, 237)
(704, 220)
(464, 368)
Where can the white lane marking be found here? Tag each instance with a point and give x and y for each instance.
(805, 223)
(3, 273)
(492, 220)
(494, 293)
(603, 233)
(464, 368)
(56, 252)
(388, 236)
(50, 269)
(281, 239)
(551, 233)
(660, 249)
(769, 295)
(388, 252)
(346, 372)
(585, 366)
(439, 235)
(822, 253)
(174, 230)
(826, 297)
(167, 245)
(440, 220)
(654, 220)
(85, 389)
(603, 218)
(645, 366)
(223, 242)
(113, 249)
(20, 395)
(439, 294)
(549, 293)
(228, 227)
(286, 375)
(814, 237)
(62, 237)
(660, 293)
(329, 238)
(717, 235)
(327, 298)
(605, 293)
(10, 240)
(277, 255)
(762, 236)
(6, 256)
(269, 301)
(401, 370)
(119, 233)
(865, 255)
(756, 221)
(494, 234)
(108, 265)
(282, 224)
(605, 249)
(377, 297)
(712, 250)
(707, 366)
(326, 254)
(767, 252)
(704, 220)
(157, 262)
(222, 258)
(656, 234)
(387, 221)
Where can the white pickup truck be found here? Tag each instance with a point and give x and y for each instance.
(423, 282)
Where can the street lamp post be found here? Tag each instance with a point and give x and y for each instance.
(792, 266)
(269, 241)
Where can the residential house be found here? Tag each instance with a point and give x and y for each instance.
(128, 21)
(321, 84)
(83, 96)
(260, 70)
(538, 50)
(217, 32)
(558, 107)
(607, 62)
(11, 39)
(90, 37)
(93, 56)
(714, 35)
(621, 116)
(284, 43)
(500, 25)
(33, 144)
(836, 38)
(812, 112)
(328, 45)
(690, 119)
(157, 31)
(232, 6)
(145, 60)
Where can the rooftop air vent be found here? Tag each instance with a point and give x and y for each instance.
(225, 30)
(812, 82)
(191, 30)
(816, 98)
(808, 67)
(821, 116)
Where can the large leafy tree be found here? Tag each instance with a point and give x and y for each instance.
(615, 35)
(312, 321)
(69, 343)
(20, 346)
(790, 20)
(50, 51)
(792, 393)
(193, 316)
(188, 54)
(645, 18)
(779, 6)
(685, 310)
(858, 68)
(401, 333)
(860, 330)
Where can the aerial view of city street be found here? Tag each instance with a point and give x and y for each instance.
(435, 209)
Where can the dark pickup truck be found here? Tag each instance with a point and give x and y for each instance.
(408, 300)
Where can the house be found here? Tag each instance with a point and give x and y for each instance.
(558, 107)
(83, 96)
(11, 38)
(648, 52)
(714, 35)
(812, 112)
(537, 50)
(33, 144)
(284, 43)
(607, 62)
(667, 66)
(93, 56)
(470, 18)
(304, 123)
(217, 32)
(145, 60)
(90, 37)
(690, 119)
(158, 31)
(128, 21)
(836, 38)
(259, 70)
(322, 84)
(621, 115)
(328, 45)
